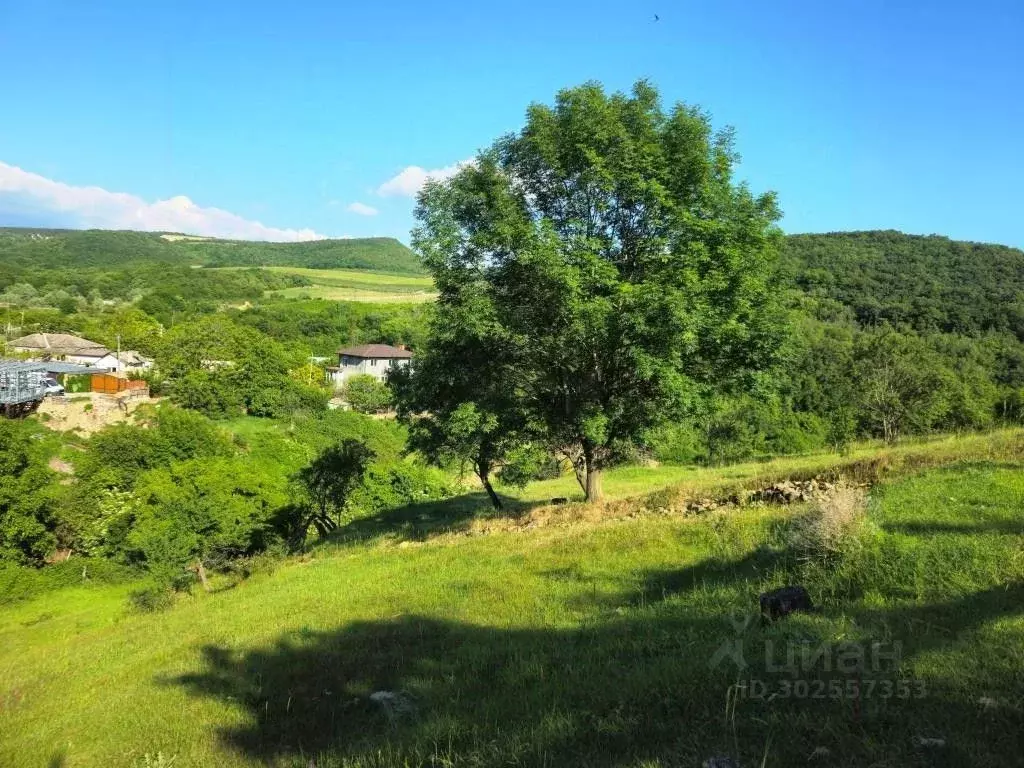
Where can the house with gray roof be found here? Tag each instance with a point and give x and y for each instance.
(74, 349)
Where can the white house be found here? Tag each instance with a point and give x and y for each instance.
(373, 359)
(75, 349)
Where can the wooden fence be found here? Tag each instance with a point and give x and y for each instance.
(111, 385)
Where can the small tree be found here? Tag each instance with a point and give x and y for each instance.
(367, 394)
(456, 395)
(901, 385)
(323, 487)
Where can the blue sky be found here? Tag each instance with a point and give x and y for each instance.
(214, 116)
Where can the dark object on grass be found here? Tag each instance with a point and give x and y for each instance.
(720, 761)
(559, 500)
(781, 602)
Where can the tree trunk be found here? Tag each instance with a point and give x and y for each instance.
(578, 467)
(201, 572)
(592, 489)
(483, 472)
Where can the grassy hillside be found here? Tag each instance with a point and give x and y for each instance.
(57, 249)
(352, 285)
(930, 283)
(583, 642)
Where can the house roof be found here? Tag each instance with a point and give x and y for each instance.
(376, 350)
(132, 357)
(61, 344)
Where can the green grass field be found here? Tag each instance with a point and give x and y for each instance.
(594, 639)
(355, 285)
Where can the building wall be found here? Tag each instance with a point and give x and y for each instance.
(376, 367)
(107, 362)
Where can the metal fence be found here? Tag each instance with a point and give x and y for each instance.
(21, 382)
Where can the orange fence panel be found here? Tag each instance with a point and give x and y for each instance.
(111, 385)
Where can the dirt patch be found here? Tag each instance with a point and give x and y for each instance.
(58, 465)
(89, 412)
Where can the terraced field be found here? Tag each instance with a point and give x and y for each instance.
(355, 285)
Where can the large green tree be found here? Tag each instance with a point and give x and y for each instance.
(26, 511)
(200, 513)
(619, 259)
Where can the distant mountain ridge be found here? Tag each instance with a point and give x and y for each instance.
(927, 282)
(63, 248)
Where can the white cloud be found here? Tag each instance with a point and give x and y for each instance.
(410, 180)
(98, 208)
(362, 209)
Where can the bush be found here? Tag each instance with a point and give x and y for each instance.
(25, 582)
(677, 444)
(388, 486)
(367, 394)
(151, 599)
(212, 393)
(835, 526)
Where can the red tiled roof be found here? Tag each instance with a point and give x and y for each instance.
(385, 351)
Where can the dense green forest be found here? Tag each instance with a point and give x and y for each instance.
(926, 283)
(61, 249)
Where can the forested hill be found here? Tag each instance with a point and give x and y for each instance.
(60, 249)
(929, 283)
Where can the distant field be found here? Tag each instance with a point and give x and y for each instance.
(355, 285)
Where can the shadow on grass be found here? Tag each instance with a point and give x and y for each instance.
(1002, 527)
(423, 520)
(711, 573)
(614, 693)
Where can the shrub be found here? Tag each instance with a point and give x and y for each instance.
(367, 394)
(152, 598)
(835, 525)
(25, 582)
(210, 392)
(388, 486)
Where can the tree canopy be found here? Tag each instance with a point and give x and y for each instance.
(618, 260)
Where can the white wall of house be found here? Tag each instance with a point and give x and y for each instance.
(107, 362)
(350, 366)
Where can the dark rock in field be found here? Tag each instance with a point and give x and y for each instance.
(559, 500)
(721, 761)
(781, 602)
(394, 704)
